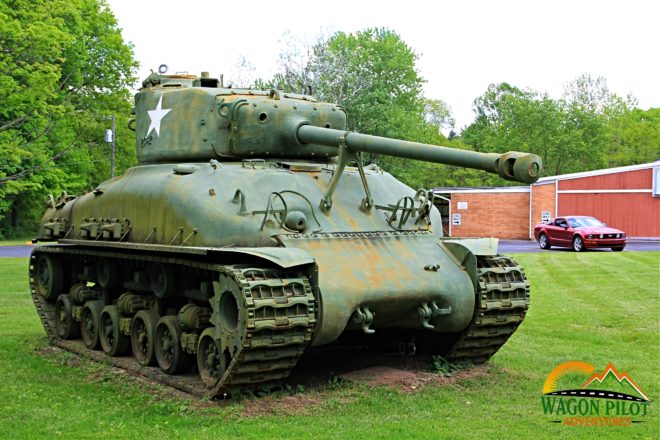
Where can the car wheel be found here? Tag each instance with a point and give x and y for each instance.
(578, 244)
(617, 249)
(544, 243)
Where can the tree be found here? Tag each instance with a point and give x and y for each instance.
(628, 134)
(593, 96)
(508, 118)
(438, 113)
(634, 137)
(64, 69)
(372, 74)
(295, 63)
(242, 74)
(570, 134)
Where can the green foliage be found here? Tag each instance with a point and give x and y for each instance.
(437, 113)
(372, 74)
(588, 128)
(64, 70)
(446, 368)
(634, 137)
(508, 118)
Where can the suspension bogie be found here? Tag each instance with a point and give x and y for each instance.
(228, 326)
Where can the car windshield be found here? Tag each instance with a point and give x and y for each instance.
(584, 221)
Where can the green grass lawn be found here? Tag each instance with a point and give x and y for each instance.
(597, 307)
(17, 242)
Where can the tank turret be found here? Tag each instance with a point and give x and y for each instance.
(185, 118)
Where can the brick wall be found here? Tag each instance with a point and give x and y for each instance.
(543, 199)
(505, 213)
(492, 214)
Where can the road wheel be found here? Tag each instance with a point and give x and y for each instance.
(578, 244)
(617, 249)
(113, 341)
(162, 281)
(143, 333)
(89, 323)
(544, 243)
(211, 361)
(66, 326)
(106, 272)
(48, 274)
(169, 353)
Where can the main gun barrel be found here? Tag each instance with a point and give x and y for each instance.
(521, 167)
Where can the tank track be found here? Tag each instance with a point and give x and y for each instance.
(280, 311)
(270, 345)
(501, 306)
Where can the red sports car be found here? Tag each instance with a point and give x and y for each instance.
(578, 232)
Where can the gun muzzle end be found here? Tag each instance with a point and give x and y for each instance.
(521, 167)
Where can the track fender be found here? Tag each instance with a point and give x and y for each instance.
(466, 250)
(281, 256)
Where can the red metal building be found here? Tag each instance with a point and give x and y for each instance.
(626, 198)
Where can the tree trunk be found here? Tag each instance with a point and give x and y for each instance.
(15, 217)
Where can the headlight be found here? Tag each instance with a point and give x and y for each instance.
(618, 235)
(590, 236)
(623, 235)
(600, 236)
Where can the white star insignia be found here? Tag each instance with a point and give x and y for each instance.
(156, 116)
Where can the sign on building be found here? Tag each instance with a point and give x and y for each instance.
(456, 219)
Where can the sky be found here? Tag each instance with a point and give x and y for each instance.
(463, 45)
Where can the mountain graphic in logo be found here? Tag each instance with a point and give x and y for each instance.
(610, 379)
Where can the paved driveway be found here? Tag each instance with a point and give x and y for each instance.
(524, 246)
(15, 251)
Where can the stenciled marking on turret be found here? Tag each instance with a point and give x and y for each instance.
(156, 116)
(374, 234)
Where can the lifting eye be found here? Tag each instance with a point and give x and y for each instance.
(263, 117)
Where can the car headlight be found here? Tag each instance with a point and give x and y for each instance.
(590, 236)
(600, 236)
(618, 235)
(623, 235)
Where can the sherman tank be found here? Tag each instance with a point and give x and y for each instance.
(251, 232)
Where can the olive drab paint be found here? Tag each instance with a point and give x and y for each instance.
(251, 231)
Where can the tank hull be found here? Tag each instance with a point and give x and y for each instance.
(381, 271)
(222, 206)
